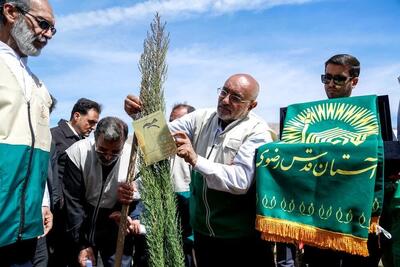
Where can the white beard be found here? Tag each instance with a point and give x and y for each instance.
(24, 38)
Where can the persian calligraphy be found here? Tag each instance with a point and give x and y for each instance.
(318, 165)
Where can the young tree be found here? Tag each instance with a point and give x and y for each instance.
(163, 235)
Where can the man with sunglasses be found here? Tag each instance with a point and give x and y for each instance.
(94, 189)
(341, 75)
(220, 146)
(25, 28)
(340, 78)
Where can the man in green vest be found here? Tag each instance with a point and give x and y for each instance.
(220, 146)
(25, 29)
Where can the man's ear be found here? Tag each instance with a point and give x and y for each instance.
(10, 13)
(354, 81)
(76, 116)
(252, 105)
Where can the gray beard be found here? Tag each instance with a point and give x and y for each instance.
(24, 38)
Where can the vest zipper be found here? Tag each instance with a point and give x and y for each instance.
(205, 200)
(96, 211)
(28, 173)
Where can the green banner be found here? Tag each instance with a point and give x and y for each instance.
(316, 185)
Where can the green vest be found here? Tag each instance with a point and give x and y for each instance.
(220, 214)
(23, 168)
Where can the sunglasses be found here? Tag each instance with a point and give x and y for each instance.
(43, 24)
(337, 79)
(223, 92)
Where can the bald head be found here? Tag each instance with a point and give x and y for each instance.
(237, 97)
(249, 85)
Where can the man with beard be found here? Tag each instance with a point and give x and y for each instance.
(94, 189)
(220, 146)
(25, 28)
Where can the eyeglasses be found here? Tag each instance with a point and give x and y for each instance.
(113, 155)
(338, 79)
(103, 153)
(223, 92)
(43, 24)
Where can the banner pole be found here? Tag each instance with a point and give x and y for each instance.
(125, 208)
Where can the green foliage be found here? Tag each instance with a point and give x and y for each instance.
(163, 235)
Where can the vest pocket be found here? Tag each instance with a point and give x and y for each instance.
(230, 150)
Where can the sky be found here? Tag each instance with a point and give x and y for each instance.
(282, 43)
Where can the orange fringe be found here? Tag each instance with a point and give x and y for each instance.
(278, 230)
(373, 227)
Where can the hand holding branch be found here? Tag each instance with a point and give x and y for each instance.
(125, 193)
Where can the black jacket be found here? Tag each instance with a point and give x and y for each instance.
(62, 138)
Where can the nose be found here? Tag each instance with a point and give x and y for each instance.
(225, 99)
(48, 34)
(331, 83)
(108, 157)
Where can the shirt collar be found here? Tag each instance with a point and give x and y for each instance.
(5, 49)
(72, 128)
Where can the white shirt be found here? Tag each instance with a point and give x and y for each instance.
(72, 129)
(19, 67)
(236, 177)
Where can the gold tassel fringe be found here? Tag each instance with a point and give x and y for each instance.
(278, 230)
(373, 227)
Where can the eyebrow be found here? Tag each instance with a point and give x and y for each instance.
(232, 93)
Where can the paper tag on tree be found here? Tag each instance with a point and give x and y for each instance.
(154, 137)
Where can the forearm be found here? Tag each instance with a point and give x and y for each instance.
(234, 179)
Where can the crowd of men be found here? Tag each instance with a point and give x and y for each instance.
(61, 192)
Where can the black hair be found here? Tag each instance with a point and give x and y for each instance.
(53, 103)
(112, 128)
(346, 60)
(83, 105)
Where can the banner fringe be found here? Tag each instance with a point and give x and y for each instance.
(278, 230)
(373, 227)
